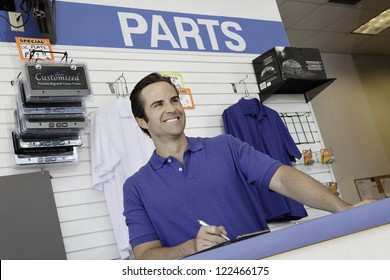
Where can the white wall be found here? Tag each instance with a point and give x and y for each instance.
(348, 125)
(85, 224)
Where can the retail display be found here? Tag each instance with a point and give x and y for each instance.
(51, 114)
(290, 70)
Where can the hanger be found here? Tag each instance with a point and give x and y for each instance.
(126, 88)
(119, 87)
(246, 92)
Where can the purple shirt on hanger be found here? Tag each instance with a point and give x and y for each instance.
(262, 128)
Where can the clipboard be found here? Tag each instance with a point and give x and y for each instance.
(238, 239)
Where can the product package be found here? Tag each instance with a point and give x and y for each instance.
(290, 70)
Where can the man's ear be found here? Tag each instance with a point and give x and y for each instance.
(142, 123)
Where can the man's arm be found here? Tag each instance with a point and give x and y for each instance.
(207, 237)
(303, 188)
(154, 250)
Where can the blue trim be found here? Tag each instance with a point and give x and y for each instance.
(99, 26)
(297, 236)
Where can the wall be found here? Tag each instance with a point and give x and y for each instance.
(82, 211)
(374, 74)
(353, 116)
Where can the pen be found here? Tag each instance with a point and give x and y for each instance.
(202, 223)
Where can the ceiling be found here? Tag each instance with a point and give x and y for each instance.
(327, 26)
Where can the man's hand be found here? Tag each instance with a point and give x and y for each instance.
(209, 236)
(364, 202)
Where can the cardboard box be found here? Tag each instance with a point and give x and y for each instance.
(289, 70)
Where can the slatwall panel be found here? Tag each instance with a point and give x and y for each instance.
(82, 211)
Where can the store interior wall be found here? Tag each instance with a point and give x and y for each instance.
(353, 116)
(374, 74)
(84, 220)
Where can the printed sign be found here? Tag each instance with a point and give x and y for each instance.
(56, 77)
(161, 30)
(186, 98)
(176, 78)
(34, 48)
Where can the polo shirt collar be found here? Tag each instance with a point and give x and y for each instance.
(194, 145)
(252, 107)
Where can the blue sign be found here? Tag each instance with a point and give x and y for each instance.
(106, 26)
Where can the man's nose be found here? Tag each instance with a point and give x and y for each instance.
(170, 107)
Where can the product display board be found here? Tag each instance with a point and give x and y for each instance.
(51, 113)
(30, 228)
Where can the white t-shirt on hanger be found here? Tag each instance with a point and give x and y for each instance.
(118, 149)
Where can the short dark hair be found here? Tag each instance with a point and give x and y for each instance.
(137, 103)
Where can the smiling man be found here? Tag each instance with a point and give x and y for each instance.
(188, 179)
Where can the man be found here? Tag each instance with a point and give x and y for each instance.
(190, 179)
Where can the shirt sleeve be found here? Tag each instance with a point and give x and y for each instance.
(257, 167)
(140, 227)
(104, 158)
(225, 120)
(289, 144)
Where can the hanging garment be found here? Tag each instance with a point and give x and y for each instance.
(118, 149)
(262, 127)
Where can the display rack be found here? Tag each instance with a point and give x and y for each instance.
(299, 124)
(51, 114)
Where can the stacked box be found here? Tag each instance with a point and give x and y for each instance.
(289, 70)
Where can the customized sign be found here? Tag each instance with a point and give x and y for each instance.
(56, 82)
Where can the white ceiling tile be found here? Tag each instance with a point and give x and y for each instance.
(322, 17)
(370, 46)
(351, 20)
(291, 12)
(327, 26)
(346, 43)
(322, 40)
(379, 5)
(296, 36)
(385, 33)
(315, 1)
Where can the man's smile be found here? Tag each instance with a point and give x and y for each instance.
(171, 120)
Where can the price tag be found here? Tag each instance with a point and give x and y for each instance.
(39, 47)
(186, 98)
(176, 78)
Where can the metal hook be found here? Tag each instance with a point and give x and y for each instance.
(124, 79)
(13, 81)
(119, 81)
(111, 86)
(65, 56)
(246, 92)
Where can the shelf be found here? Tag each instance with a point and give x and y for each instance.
(310, 88)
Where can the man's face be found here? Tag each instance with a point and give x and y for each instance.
(163, 109)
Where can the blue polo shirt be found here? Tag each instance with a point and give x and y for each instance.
(218, 183)
(262, 128)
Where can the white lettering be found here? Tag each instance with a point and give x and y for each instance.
(241, 42)
(187, 29)
(141, 27)
(158, 21)
(210, 30)
(193, 33)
